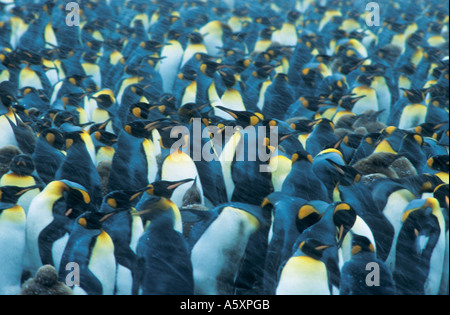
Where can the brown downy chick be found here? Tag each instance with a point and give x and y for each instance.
(45, 283)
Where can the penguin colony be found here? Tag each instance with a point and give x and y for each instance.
(356, 197)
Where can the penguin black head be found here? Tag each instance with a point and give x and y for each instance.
(195, 38)
(76, 80)
(93, 220)
(313, 248)
(63, 117)
(172, 133)
(72, 138)
(105, 137)
(293, 16)
(122, 200)
(348, 101)
(344, 217)
(361, 244)
(426, 129)
(303, 125)
(348, 175)
(188, 74)
(7, 94)
(324, 123)
(301, 156)
(54, 137)
(104, 101)
(415, 96)
(228, 76)
(11, 194)
(307, 216)
(441, 194)
(138, 129)
(353, 140)
(164, 188)
(244, 118)
(22, 165)
(439, 163)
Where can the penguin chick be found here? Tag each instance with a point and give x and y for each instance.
(45, 283)
(368, 120)
(379, 162)
(369, 179)
(104, 169)
(403, 167)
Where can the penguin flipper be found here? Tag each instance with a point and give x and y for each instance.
(138, 276)
(90, 283)
(46, 238)
(127, 258)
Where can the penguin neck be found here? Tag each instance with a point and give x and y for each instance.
(169, 218)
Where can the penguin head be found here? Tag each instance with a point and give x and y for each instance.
(361, 244)
(348, 175)
(11, 194)
(195, 38)
(22, 165)
(104, 100)
(93, 220)
(105, 137)
(121, 199)
(426, 129)
(77, 199)
(344, 217)
(209, 67)
(441, 193)
(348, 101)
(303, 125)
(228, 76)
(54, 137)
(172, 134)
(353, 140)
(72, 138)
(165, 188)
(65, 117)
(76, 79)
(244, 118)
(307, 216)
(188, 74)
(439, 163)
(292, 16)
(302, 156)
(7, 95)
(414, 96)
(313, 248)
(138, 129)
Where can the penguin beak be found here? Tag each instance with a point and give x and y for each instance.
(27, 189)
(233, 114)
(105, 217)
(177, 184)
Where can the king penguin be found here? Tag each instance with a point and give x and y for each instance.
(79, 168)
(304, 273)
(49, 222)
(420, 249)
(92, 249)
(125, 230)
(22, 174)
(12, 238)
(301, 178)
(163, 257)
(219, 245)
(354, 272)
